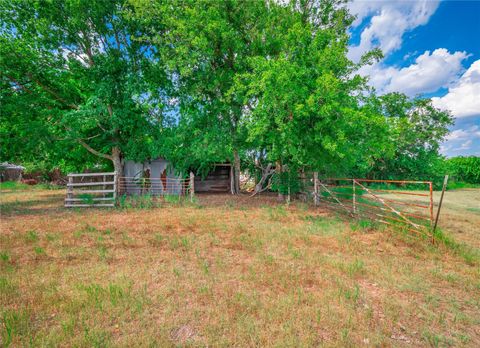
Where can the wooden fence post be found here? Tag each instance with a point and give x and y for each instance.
(192, 186)
(232, 181)
(430, 206)
(315, 188)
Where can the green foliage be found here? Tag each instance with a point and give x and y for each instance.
(123, 202)
(13, 185)
(415, 130)
(308, 109)
(287, 183)
(15, 323)
(76, 79)
(148, 201)
(86, 198)
(18, 186)
(140, 202)
(455, 185)
(4, 256)
(200, 82)
(31, 236)
(173, 199)
(39, 251)
(464, 169)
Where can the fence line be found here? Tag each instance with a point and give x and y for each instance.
(359, 198)
(155, 186)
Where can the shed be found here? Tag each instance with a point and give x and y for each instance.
(219, 179)
(11, 172)
(155, 177)
(158, 177)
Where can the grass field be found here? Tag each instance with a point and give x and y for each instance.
(232, 271)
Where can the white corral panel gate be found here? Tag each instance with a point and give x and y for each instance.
(91, 190)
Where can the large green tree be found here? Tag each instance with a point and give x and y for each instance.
(251, 81)
(263, 77)
(311, 110)
(27, 138)
(76, 68)
(207, 47)
(415, 131)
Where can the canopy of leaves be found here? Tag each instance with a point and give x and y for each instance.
(464, 169)
(309, 109)
(206, 48)
(202, 82)
(415, 129)
(76, 68)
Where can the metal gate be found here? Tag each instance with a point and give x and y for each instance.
(401, 203)
(91, 190)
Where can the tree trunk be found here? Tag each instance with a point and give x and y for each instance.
(266, 173)
(278, 169)
(303, 179)
(236, 172)
(117, 165)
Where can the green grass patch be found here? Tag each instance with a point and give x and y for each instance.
(15, 323)
(32, 237)
(19, 186)
(470, 255)
(457, 185)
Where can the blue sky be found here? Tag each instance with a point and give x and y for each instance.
(431, 48)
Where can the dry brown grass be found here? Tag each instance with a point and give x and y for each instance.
(459, 215)
(224, 272)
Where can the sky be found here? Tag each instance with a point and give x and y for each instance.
(431, 48)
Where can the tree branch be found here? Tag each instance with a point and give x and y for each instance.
(52, 92)
(93, 151)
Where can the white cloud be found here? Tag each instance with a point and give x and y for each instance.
(389, 21)
(462, 134)
(430, 72)
(386, 23)
(463, 98)
(466, 145)
(68, 54)
(461, 140)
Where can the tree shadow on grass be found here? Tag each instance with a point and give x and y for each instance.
(42, 204)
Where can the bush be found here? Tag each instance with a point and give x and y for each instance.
(464, 169)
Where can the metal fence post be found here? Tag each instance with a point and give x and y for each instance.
(430, 207)
(445, 180)
(115, 187)
(104, 187)
(192, 186)
(315, 188)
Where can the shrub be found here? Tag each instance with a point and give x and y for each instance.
(464, 169)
